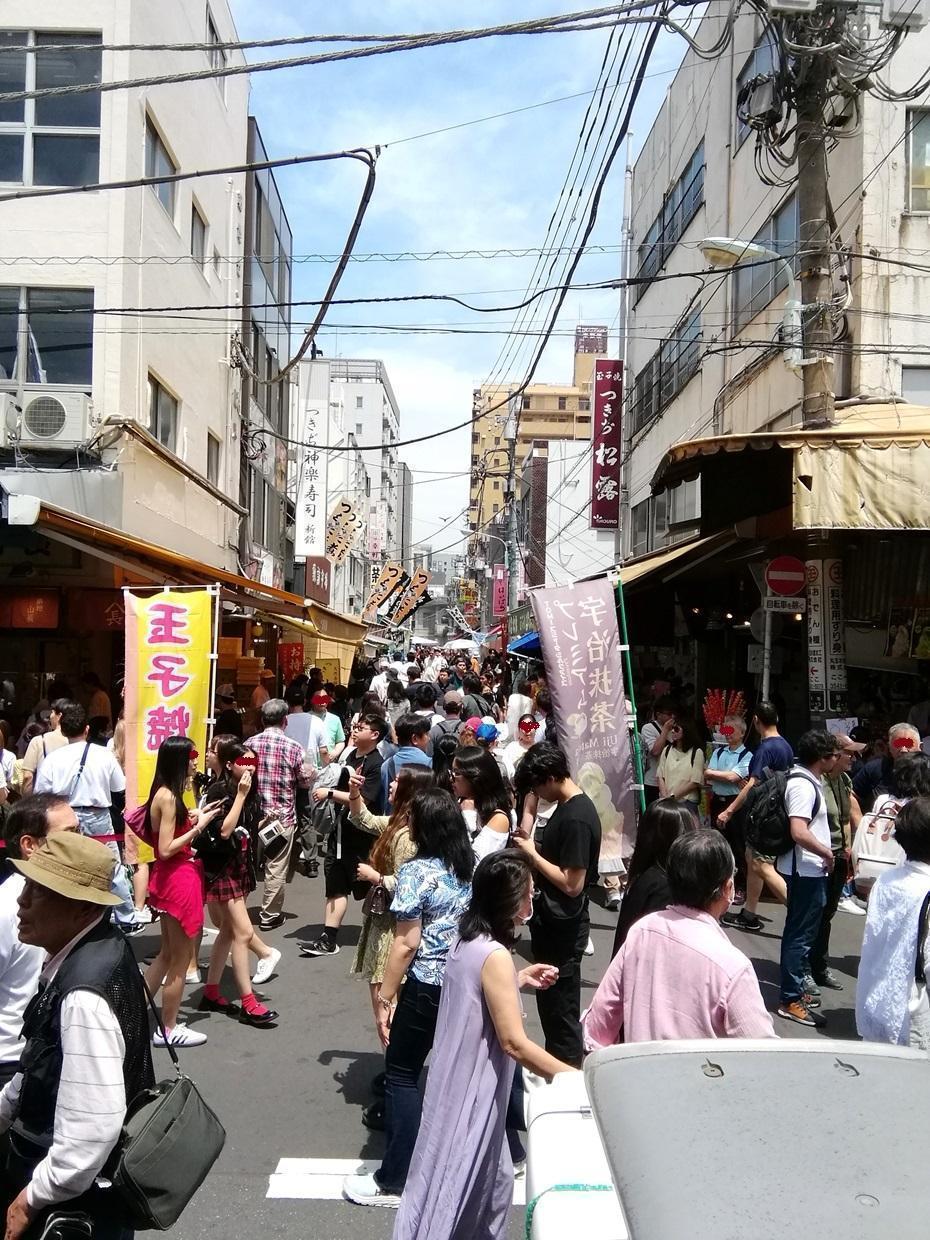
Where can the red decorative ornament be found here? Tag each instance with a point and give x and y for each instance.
(720, 704)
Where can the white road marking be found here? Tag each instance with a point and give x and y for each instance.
(320, 1179)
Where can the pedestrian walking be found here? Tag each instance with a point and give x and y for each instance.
(677, 975)
(647, 885)
(41, 746)
(460, 1184)
(87, 1054)
(486, 805)
(176, 885)
(725, 773)
(431, 894)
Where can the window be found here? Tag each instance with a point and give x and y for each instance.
(584, 404)
(639, 529)
(216, 262)
(213, 459)
(915, 384)
(918, 160)
(266, 242)
(684, 503)
(284, 279)
(527, 402)
(217, 53)
(163, 414)
(755, 285)
(679, 208)
(158, 163)
(198, 237)
(360, 402)
(56, 140)
(257, 506)
(258, 348)
(57, 327)
(358, 430)
(563, 403)
(667, 371)
(272, 537)
(761, 61)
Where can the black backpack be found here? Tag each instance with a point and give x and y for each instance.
(767, 828)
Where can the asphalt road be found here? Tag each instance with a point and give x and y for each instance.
(297, 1091)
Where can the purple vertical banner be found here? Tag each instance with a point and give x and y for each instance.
(584, 672)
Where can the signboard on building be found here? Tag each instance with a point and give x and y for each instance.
(584, 672)
(407, 602)
(499, 590)
(590, 339)
(342, 529)
(169, 674)
(318, 579)
(310, 509)
(290, 660)
(835, 636)
(605, 457)
(816, 652)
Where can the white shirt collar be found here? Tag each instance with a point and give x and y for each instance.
(54, 963)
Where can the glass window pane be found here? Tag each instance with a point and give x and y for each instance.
(12, 76)
(198, 237)
(11, 156)
(67, 68)
(61, 336)
(919, 123)
(9, 323)
(61, 159)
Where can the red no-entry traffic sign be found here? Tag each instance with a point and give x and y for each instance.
(786, 574)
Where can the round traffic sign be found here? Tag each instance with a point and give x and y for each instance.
(786, 575)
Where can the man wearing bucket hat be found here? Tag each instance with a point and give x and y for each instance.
(87, 1044)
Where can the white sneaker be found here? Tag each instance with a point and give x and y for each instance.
(849, 905)
(364, 1191)
(613, 901)
(589, 950)
(144, 915)
(266, 967)
(192, 977)
(210, 934)
(180, 1035)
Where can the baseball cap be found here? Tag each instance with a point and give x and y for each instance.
(227, 692)
(452, 698)
(846, 744)
(486, 732)
(320, 698)
(474, 723)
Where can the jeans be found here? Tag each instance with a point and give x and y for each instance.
(835, 884)
(559, 1007)
(95, 822)
(412, 1032)
(807, 898)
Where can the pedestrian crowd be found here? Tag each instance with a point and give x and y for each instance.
(435, 794)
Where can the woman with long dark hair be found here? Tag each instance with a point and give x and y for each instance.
(176, 883)
(444, 751)
(397, 701)
(647, 888)
(431, 894)
(231, 879)
(461, 1179)
(485, 803)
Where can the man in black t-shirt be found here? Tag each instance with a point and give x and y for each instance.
(564, 857)
(347, 844)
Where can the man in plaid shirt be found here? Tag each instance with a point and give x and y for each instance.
(281, 771)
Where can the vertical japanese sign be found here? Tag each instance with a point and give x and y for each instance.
(835, 636)
(499, 590)
(605, 459)
(406, 604)
(816, 652)
(169, 660)
(341, 529)
(310, 512)
(290, 660)
(391, 579)
(584, 671)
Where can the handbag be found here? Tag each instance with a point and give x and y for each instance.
(377, 901)
(169, 1142)
(272, 837)
(875, 849)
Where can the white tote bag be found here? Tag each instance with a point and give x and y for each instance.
(875, 848)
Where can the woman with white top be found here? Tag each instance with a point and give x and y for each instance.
(524, 740)
(485, 803)
(681, 767)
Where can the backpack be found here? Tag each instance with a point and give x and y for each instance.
(444, 729)
(875, 848)
(719, 749)
(767, 828)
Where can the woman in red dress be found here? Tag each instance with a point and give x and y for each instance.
(176, 884)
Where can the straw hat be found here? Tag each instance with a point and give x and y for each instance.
(74, 866)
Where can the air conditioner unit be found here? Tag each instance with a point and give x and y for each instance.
(54, 419)
(8, 418)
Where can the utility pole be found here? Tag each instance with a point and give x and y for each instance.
(819, 401)
(511, 428)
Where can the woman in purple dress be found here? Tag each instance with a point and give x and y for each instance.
(460, 1185)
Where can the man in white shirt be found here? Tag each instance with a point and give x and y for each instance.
(379, 683)
(87, 776)
(29, 823)
(653, 738)
(805, 869)
(41, 746)
(87, 1044)
(306, 729)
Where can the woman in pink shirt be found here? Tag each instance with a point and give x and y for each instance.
(678, 975)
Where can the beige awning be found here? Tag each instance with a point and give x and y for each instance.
(636, 571)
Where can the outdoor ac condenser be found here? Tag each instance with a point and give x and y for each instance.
(52, 418)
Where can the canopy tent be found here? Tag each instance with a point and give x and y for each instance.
(527, 646)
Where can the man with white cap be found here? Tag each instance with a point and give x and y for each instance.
(87, 1044)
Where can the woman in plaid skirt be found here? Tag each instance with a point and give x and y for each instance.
(228, 887)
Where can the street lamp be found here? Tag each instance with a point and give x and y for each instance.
(730, 252)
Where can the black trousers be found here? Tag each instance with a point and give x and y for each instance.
(734, 832)
(99, 1208)
(559, 1007)
(835, 884)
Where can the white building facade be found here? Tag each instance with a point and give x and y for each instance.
(128, 418)
(704, 356)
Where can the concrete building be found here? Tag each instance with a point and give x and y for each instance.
(405, 509)
(548, 411)
(372, 414)
(130, 420)
(265, 552)
(709, 362)
(558, 545)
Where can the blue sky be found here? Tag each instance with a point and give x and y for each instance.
(483, 186)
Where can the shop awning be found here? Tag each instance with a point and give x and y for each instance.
(685, 555)
(527, 645)
(834, 478)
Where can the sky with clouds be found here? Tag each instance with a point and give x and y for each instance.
(482, 186)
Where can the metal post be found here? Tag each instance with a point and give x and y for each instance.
(510, 497)
(631, 694)
(766, 656)
(215, 591)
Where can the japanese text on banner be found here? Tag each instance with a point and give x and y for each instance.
(605, 459)
(169, 644)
